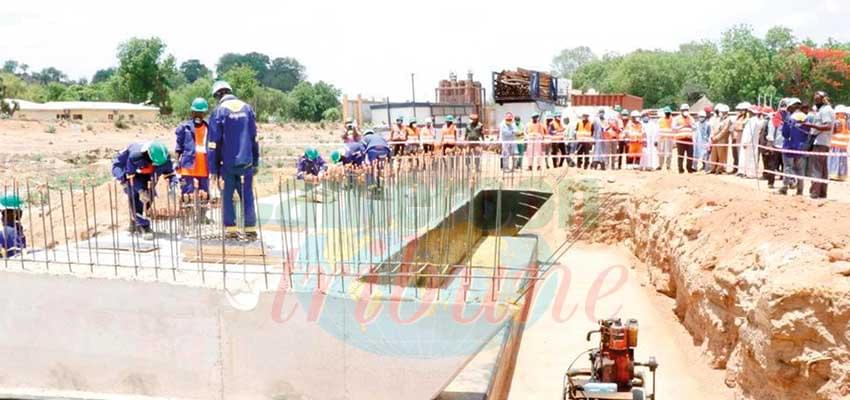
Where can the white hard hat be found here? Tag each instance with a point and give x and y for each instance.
(684, 107)
(743, 106)
(793, 101)
(723, 108)
(841, 109)
(219, 85)
(635, 113)
(701, 114)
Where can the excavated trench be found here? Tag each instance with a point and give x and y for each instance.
(769, 308)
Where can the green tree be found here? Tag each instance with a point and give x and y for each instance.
(311, 100)
(780, 38)
(10, 66)
(284, 74)
(55, 91)
(50, 74)
(568, 61)
(243, 80)
(332, 115)
(743, 67)
(257, 61)
(102, 75)
(181, 98)
(193, 70)
(145, 72)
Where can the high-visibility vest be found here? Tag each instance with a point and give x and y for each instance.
(614, 130)
(685, 133)
(450, 134)
(535, 131)
(634, 132)
(584, 131)
(412, 134)
(398, 135)
(427, 134)
(842, 134)
(665, 128)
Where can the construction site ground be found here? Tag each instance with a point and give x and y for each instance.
(739, 291)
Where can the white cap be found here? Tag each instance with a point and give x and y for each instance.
(743, 106)
(635, 113)
(841, 109)
(684, 107)
(723, 108)
(793, 101)
(701, 114)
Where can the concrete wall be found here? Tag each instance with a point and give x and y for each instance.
(158, 339)
(89, 115)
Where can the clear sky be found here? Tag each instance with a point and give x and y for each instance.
(372, 46)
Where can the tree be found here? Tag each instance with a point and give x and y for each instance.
(568, 61)
(102, 75)
(55, 91)
(243, 80)
(181, 98)
(10, 66)
(743, 67)
(284, 74)
(257, 61)
(144, 71)
(780, 38)
(193, 70)
(311, 101)
(50, 74)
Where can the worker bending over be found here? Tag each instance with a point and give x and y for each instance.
(234, 155)
(12, 238)
(377, 154)
(191, 149)
(310, 166)
(137, 168)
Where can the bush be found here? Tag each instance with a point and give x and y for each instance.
(332, 115)
(50, 129)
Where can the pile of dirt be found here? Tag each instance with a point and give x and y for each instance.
(761, 281)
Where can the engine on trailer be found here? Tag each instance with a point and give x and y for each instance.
(612, 365)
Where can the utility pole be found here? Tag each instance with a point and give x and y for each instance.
(413, 91)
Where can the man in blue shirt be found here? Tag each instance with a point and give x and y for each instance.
(137, 167)
(795, 138)
(12, 239)
(378, 155)
(310, 166)
(234, 156)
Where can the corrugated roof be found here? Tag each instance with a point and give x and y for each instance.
(82, 105)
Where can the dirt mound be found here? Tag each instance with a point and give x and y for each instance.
(761, 281)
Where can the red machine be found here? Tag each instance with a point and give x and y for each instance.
(612, 373)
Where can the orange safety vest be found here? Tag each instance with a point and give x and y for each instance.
(449, 134)
(535, 131)
(686, 133)
(665, 128)
(584, 131)
(614, 130)
(397, 135)
(634, 133)
(427, 135)
(842, 134)
(199, 169)
(412, 134)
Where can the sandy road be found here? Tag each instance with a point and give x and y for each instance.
(549, 346)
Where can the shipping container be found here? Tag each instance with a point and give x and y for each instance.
(626, 101)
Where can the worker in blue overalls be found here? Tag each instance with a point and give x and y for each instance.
(12, 238)
(191, 149)
(234, 156)
(351, 157)
(310, 165)
(378, 155)
(137, 167)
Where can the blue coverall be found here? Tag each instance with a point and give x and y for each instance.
(377, 153)
(355, 154)
(132, 161)
(234, 154)
(12, 238)
(186, 150)
(306, 167)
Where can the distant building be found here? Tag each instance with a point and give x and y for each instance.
(385, 114)
(89, 111)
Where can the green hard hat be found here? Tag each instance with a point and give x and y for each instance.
(624, 113)
(336, 155)
(667, 110)
(618, 108)
(450, 118)
(311, 153)
(535, 114)
(548, 115)
(412, 121)
(10, 201)
(158, 153)
(200, 105)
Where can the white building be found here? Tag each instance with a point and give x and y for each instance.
(97, 111)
